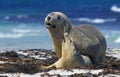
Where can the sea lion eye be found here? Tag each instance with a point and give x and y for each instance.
(58, 17)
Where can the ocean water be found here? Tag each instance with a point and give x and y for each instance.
(22, 22)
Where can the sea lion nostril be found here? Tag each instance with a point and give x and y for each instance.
(48, 23)
(48, 18)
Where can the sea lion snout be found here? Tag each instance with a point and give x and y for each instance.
(48, 21)
(48, 18)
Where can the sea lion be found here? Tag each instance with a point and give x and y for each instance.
(87, 39)
(71, 57)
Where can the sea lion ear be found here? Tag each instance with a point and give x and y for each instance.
(66, 26)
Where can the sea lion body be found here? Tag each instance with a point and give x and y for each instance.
(87, 40)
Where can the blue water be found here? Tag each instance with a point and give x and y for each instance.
(22, 21)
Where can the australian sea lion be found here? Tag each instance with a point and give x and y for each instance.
(87, 39)
(71, 57)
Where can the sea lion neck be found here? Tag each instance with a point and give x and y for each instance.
(57, 38)
(56, 35)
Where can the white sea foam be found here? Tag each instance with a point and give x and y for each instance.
(112, 36)
(115, 8)
(21, 30)
(7, 17)
(7, 35)
(96, 20)
(26, 31)
(117, 40)
(18, 33)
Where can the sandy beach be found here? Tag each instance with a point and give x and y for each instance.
(25, 43)
(27, 63)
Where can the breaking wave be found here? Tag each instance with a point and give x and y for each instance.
(97, 20)
(112, 36)
(7, 17)
(115, 8)
(117, 40)
(19, 33)
(26, 31)
(8, 35)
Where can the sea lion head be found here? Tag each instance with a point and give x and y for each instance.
(57, 21)
(57, 24)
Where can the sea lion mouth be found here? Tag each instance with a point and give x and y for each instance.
(50, 26)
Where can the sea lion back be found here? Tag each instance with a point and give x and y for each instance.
(89, 41)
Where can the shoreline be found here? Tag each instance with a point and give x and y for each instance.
(28, 62)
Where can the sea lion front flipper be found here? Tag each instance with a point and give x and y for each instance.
(68, 44)
(70, 49)
(71, 56)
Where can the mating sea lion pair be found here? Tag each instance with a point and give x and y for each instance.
(75, 46)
